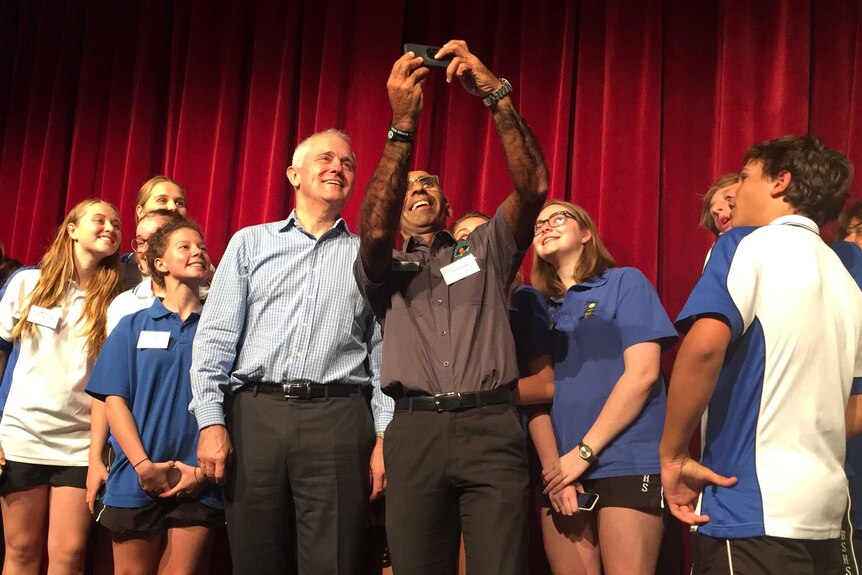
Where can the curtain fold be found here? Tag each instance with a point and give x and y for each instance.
(638, 106)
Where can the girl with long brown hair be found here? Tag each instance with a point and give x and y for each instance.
(609, 401)
(57, 315)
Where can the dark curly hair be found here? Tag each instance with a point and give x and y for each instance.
(820, 176)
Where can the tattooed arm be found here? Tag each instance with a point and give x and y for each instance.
(523, 154)
(384, 197)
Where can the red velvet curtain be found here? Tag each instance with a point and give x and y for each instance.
(638, 105)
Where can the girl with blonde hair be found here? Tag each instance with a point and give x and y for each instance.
(57, 315)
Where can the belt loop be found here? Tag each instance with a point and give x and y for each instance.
(410, 405)
(478, 400)
(254, 393)
(325, 392)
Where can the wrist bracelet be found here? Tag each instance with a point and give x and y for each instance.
(504, 91)
(135, 466)
(396, 135)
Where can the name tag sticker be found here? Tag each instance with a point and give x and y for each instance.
(405, 266)
(460, 269)
(49, 318)
(154, 340)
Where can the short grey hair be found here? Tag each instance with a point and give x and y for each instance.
(302, 148)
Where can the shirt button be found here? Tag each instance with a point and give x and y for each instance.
(439, 302)
(445, 364)
(443, 332)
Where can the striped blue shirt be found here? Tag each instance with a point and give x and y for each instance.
(284, 306)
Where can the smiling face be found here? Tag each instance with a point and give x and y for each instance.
(325, 172)
(558, 235)
(164, 196)
(97, 231)
(185, 257)
(425, 207)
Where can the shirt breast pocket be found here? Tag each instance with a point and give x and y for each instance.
(470, 290)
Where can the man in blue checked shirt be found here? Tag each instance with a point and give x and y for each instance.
(286, 352)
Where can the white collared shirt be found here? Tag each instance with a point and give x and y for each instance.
(139, 297)
(46, 419)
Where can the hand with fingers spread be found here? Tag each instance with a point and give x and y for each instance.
(474, 76)
(214, 449)
(405, 90)
(683, 480)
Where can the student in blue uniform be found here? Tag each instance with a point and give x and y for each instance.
(157, 505)
(849, 250)
(774, 348)
(609, 330)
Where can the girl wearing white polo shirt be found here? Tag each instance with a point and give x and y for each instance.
(57, 314)
(609, 328)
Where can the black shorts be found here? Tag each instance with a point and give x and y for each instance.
(128, 522)
(641, 492)
(768, 555)
(18, 476)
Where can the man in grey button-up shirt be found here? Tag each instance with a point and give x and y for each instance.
(454, 451)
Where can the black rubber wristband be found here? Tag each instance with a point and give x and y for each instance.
(396, 135)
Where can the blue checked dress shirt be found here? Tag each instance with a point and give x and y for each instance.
(284, 306)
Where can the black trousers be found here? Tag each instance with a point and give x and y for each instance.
(455, 471)
(296, 495)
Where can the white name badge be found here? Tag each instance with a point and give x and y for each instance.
(154, 340)
(460, 269)
(49, 318)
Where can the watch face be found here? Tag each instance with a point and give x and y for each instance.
(586, 452)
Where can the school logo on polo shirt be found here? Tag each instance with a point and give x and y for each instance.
(591, 307)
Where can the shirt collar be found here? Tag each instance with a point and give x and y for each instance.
(591, 283)
(796, 220)
(441, 238)
(293, 222)
(159, 311)
(144, 290)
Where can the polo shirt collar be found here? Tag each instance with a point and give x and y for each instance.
(144, 290)
(293, 222)
(796, 220)
(159, 311)
(593, 282)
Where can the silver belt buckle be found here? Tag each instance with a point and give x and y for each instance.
(440, 396)
(297, 390)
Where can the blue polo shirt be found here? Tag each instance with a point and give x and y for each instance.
(594, 323)
(850, 255)
(155, 383)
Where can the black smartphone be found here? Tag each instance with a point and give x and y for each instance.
(427, 54)
(587, 501)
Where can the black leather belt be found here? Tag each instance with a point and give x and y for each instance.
(454, 401)
(304, 389)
